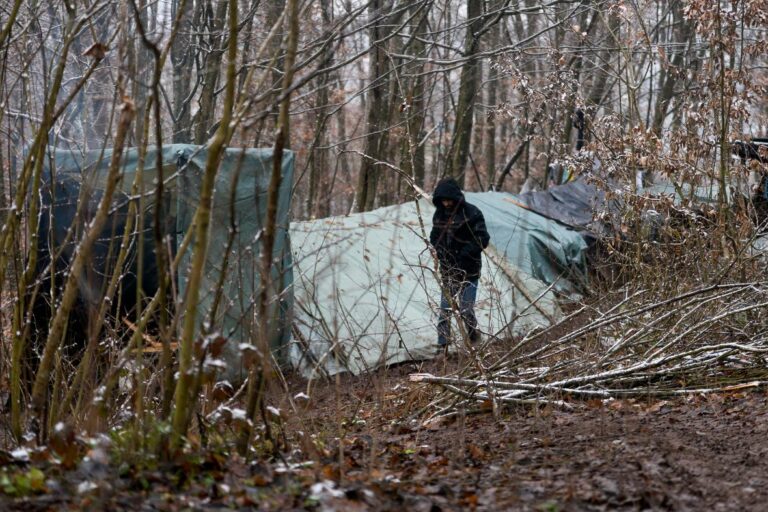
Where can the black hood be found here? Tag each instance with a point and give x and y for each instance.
(447, 188)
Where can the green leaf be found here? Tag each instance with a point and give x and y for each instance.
(36, 480)
(23, 483)
(7, 485)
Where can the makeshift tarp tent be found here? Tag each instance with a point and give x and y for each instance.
(239, 212)
(541, 248)
(579, 204)
(366, 293)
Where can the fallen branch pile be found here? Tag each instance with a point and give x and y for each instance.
(710, 339)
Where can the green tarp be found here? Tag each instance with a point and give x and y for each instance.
(239, 212)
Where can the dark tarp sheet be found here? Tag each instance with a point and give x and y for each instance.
(576, 204)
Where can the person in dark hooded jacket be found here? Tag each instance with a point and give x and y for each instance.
(458, 236)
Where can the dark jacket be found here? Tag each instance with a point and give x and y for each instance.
(459, 235)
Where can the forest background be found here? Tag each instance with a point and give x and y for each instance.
(378, 100)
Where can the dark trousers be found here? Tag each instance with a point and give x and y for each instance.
(461, 294)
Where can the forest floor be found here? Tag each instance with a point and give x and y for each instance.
(690, 453)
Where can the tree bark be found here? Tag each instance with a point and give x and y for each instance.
(184, 402)
(669, 77)
(258, 374)
(376, 110)
(181, 63)
(465, 108)
(490, 117)
(317, 197)
(214, 25)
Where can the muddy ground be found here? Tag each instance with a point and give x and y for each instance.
(692, 453)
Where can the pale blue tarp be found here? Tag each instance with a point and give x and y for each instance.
(699, 194)
(367, 292)
(542, 248)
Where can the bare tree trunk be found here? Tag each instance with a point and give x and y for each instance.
(317, 198)
(181, 62)
(6, 30)
(343, 160)
(183, 401)
(723, 116)
(412, 155)
(259, 372)
(376, 110)
(142, 68)
(465, 108)
(214, 26)
(669, 76)
(601, 71)
(89, 121)
(274, 10)
(490, 117)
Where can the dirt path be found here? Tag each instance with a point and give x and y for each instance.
(680, 457)
(688, 454)
(697, 453)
